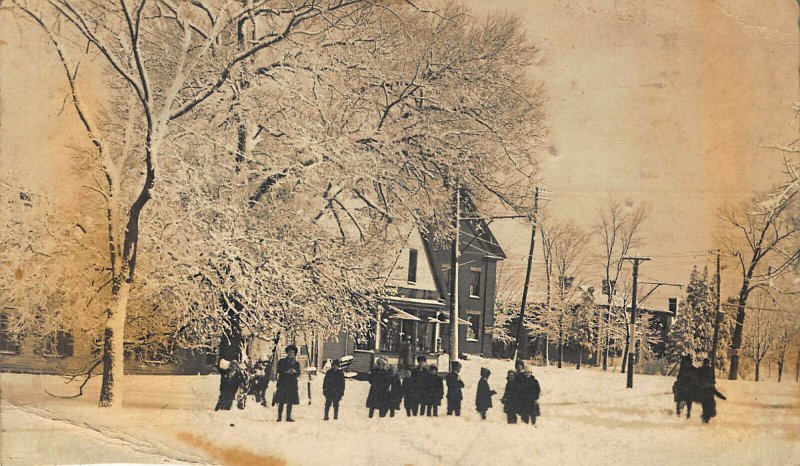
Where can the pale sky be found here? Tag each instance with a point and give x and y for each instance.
(662, 101)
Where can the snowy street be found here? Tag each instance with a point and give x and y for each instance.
(170, 419)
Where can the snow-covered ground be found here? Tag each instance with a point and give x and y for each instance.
(587, 417)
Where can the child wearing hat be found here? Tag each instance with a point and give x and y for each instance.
(333, 389)
(483, 399)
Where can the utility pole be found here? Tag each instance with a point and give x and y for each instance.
(632, 332)
(522, 333)
(718, 314)
(455, 259)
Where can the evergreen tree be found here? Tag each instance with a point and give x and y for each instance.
(693, 330)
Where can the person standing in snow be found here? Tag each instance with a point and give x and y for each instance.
(333, 389)
(483, 399)
(434, 391)
(395, 390)
(286, 393)
(454, 386)
(413, 387)
(708, 391)
(510, 398)
(379, 382)
(529, 391)
(406, 361)
(230, 378)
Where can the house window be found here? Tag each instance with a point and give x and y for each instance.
(412, 265)
(58, 345)
(475, 284)
(7, 344)
(474, 318)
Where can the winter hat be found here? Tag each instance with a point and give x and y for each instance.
(291, 348)
(485, 372)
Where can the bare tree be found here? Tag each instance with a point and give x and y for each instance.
(618, 231)
(565, 245)
(763, 236)
(371, 112)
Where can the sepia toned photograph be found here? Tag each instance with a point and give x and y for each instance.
(400, 232)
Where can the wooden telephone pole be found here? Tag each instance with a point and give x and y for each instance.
(455, 259)
(718, 314)
(632, 332)
(522, 333)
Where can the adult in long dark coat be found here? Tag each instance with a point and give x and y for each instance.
(333, 389)
(454, 387)
(286, 392)
(406, 361)
(379, 383)
(395, 390)
(483, 398)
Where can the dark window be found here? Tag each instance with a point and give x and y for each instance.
(475, 284)
(412, 265)
(673, 306)
(7, 344)
(474, 326)
(58, 344)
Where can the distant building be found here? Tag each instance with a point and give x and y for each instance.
(417, 310)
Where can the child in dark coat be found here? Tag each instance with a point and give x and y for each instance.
(529, 391)
(434, 391)
(483, 399)
(333, 389)
(379, 382)
(413, 388)
(395, 390)
(510, 398)
(454, 386)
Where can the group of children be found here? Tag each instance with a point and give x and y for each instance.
(422, 390)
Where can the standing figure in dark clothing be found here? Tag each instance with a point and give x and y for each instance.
(230, 378)
(454, 386)
(529, 391)
(379, 383)
(395, 390)
(708, 391)
(510, 398)
(685, 386)
(413, 387)
(483, 399)
(230, 353)
(333, 389)
(406, 355)
(434, 391)
(286, 393)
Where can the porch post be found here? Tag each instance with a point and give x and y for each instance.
(377, 338)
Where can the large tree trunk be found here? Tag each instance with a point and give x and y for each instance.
(758, 368)
(736, 342)
(546, 349)
(625, 356)
(113, 348)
